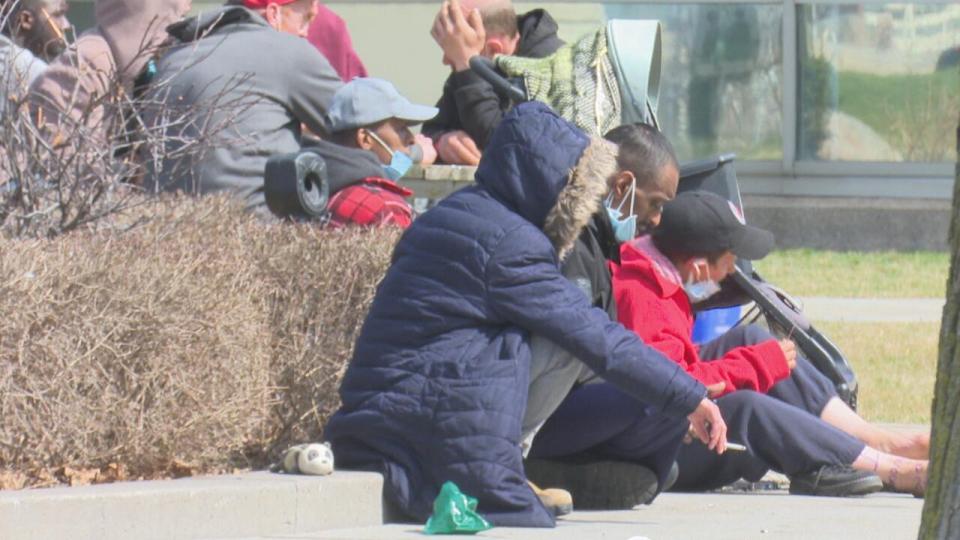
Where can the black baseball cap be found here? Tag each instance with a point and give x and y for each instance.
(699, 222)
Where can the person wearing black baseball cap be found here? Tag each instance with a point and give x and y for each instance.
(778, 406)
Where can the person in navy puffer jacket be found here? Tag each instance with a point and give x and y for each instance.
(437, 386)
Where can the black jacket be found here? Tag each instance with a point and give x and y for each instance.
(469, 103)
(586, 265)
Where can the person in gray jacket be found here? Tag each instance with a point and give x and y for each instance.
(252, 79)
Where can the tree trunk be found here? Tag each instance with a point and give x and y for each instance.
(941, 509)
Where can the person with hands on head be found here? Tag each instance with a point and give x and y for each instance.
(775, 402)
(470, 109)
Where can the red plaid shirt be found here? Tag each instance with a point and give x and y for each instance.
(373, 202)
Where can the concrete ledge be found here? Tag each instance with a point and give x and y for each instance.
(845, 223)
(833, 223)
(232, 506)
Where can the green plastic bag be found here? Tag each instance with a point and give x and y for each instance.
(455, 513)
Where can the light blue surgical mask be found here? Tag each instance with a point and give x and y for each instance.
(400, 162)
(624, 228)
(698, 291)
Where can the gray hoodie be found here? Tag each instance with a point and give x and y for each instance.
(258, 83)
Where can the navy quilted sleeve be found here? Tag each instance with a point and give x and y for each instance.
(525, 286)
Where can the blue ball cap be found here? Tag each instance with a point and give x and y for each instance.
(367, 101)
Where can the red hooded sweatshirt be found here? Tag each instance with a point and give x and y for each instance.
(651, 302)
(329, 34)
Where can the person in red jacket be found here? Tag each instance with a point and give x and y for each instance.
(785, 412)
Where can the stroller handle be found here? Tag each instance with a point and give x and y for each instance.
(484, 67)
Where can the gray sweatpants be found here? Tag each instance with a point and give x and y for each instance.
(553, 372)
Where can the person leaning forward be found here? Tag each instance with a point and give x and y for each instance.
(437, 385)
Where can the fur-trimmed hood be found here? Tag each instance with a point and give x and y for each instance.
(548, 171)
(440, 374)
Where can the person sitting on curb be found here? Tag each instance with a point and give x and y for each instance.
(602, 470)
(470, 109)
(372, 147)
(785, 412)
(437, 385)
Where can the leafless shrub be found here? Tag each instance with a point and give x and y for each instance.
(200, 341)
(921, 129)
(72, 158)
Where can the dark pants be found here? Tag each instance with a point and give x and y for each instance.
(782, 429)
(603, 422)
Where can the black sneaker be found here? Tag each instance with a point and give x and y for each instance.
(596, 484)
(835, 481)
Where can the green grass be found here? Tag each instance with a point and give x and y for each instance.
(895, 364)
(805, 272)
(906, 110)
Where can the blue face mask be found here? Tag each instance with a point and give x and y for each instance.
(400, 162)
(700, 290)
(624, 229)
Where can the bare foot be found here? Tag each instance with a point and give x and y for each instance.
(899, 474)
(908, 445)
(907, 476)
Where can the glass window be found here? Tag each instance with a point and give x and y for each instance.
(878, 82)
(81, 16)
(81, 12)
(720, 89)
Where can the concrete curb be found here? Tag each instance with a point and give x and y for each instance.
(231, 506)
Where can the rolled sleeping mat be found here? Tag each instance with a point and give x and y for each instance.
(296, 185)
(635, 52)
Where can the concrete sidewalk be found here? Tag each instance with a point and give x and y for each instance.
(865, 310)
(347, 505)
(713, 516)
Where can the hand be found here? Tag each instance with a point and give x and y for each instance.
(426, 148)
(789, 349)
(708, 426)
(457, 148)
(714, 390)
(460, 37)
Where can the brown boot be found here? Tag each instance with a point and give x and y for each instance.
(559, 501)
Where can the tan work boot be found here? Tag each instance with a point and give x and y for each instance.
(559, 501)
